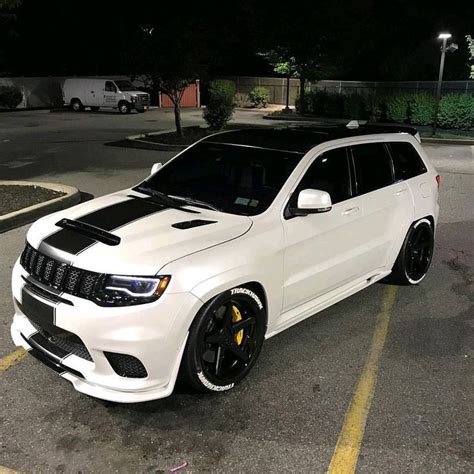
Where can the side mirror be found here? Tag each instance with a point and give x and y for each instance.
(156, 167)
(312, 201)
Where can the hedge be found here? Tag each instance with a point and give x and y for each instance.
(455, 110)
(422, 109)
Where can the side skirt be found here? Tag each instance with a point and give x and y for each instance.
(295, 315)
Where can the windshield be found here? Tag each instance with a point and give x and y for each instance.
(236, 179)
(125, 86)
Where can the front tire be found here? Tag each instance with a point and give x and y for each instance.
(124, 107)
(415, 256)
(224, 341)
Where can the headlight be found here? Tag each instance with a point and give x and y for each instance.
(133, 98)
(119, 290)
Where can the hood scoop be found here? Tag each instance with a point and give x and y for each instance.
(90, 231)
(191, 224)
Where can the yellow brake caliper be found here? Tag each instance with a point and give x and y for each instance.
(236, 317)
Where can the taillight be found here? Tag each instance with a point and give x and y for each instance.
(438, 179)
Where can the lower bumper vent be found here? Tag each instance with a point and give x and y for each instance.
(126, 365)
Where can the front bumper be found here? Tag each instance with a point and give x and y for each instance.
(153, 333)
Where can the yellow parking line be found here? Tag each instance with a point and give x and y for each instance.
(346, 453)
(5, 470)
(10, 360)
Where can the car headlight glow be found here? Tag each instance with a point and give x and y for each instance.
(121, 290)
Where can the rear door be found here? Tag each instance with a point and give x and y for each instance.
(386, 204)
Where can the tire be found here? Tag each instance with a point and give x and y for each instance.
(76, 105)
(124, 107)
(415, 256)
(224, 341)
(95, 108)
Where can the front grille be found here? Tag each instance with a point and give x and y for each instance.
(143, 99)
(58, 275)
(66, 342)
(126, 365)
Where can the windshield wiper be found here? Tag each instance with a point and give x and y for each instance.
(196, 202)
(164, 199)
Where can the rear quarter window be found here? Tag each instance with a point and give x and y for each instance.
(407, 163)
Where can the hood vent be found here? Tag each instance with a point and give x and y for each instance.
(89, 230)
(190, 224)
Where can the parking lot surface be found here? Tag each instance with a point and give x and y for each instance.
(289, 413)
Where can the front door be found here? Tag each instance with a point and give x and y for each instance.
(110, 95)
(319, 254)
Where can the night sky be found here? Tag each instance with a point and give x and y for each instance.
(366, 40)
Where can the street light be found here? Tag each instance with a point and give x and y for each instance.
(451, 48)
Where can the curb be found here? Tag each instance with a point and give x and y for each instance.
(31, 213)
(155, 145)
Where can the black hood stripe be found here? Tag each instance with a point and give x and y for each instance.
(108, 218)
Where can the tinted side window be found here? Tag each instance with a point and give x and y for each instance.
(110, 87)
(330, 173)
(406, 161)
(372, 167)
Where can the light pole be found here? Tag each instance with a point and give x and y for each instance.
(452, 47)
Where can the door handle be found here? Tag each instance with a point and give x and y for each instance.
(351, 210)
(401, 191)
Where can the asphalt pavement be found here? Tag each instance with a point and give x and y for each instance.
(289, 413)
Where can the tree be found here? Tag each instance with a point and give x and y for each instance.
(170, 57)
(7, 27)
(470, 46)
(306, 45)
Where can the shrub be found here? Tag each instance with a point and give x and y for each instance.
(241, 100)
(354, 106)
(322, 103)
(422, 108)
(397, 108)
(220, 105)
(10, 96)
(375, 108)
(456, 111)
(259, 97)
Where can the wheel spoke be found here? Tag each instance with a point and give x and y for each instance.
(238, 352)
(214, 338)
(228, 315)
(219, 358)
(238, 326)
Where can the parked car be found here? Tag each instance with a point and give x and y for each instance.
(104, 93)
(240, 236)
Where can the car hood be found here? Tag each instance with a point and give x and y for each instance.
(151, 235)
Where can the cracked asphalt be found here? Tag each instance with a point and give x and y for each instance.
(288, 414)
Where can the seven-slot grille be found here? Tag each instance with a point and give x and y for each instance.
(58, 275)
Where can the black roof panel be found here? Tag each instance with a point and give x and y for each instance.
(299, 138)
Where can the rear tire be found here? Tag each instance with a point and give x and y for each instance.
(224, 341)
(124, 107)
(76, 105)
(415, 256)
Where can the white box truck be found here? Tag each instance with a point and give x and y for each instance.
(96, 93)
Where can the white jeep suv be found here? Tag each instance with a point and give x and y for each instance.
(237, 238)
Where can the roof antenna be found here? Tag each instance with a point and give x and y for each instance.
(353, 124)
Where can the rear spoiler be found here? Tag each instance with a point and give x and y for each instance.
(385, 128)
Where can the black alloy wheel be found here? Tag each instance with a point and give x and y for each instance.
(224, 341)
(418, 253)
(415, 256)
